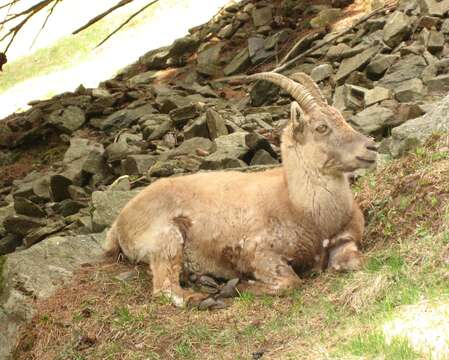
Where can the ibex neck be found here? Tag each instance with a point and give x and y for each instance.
(327, 200)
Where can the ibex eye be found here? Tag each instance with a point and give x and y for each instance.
(322, 129)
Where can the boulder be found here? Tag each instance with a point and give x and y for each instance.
(239, 63)
(35, 274)
(138, 164)
(126, 118)
(379, 65)
(355, 63)
(181, 115)
(409, 67)
(26, 207)
(397, 29)
(434, 7)
(215, 123)
(209, 59)
(191, 147)
(410, 90)
(197, 129)
(376, 95)
(325, 17)
(438, 84)
(372, 119)
(21, 225)
(418, 130)
(257, 51)
(68, 119)
(59, 187)
(155, 126)
(436, 42)
(263, 157)
(262, 16)
(144, 78)
(322, 72)
(107, 205)
(8, 244)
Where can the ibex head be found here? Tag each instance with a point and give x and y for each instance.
(320, 130)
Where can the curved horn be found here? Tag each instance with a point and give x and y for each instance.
(296, 90)
(306, 81)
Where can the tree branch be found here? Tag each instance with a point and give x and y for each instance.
(127, 21)
(102, 15)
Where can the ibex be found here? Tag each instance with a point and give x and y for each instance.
(266, 226)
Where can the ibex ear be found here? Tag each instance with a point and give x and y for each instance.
(297, 118)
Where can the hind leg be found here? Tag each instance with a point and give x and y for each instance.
(166, 263)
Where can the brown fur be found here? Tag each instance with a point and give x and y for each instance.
(260, 226)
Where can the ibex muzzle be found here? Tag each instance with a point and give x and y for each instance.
(263, 226)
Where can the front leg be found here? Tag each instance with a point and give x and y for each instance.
(341, 253)
(272, 275)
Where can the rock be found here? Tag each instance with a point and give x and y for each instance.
(272, 42)
(197, 129)
(325, 17)
(263, 92)
(68, 207)
(138, 164)
(235, 150)
(409, 67)
(209, 59)
(68, 119)
(376, 95)
(410, 90)
(439, 84)
(397, 29)
(239, 63)
(155, 126)
(122, 183)
(257, 51)
(144, 78)
(181, 115)
(35, 274)
(191, 147)
(77, 193)
(263, 157)
(34, 236)
(120, 150)
(21, 225)
(182, 46)
(445, 27)
(107, 205)
(126, 118)
(5, 212)
(262, 16)
(434, 7)
(372, 119)
(59, 187)
(26, 207)
(335, 52)
(229, 290)
(322, 72)
(41, 188)
(417, 131)
(215, 123)
(379, 65)
(354, 96)
(8, 244)
(436, 42)
(355, 63)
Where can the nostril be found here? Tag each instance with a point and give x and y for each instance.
(372, 147)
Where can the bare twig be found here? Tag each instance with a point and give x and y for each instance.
(127, 21)
(45, 22)
(31, 10)
(102, 15)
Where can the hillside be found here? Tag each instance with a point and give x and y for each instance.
(69, 164)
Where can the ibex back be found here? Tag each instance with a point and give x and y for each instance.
(263, 226)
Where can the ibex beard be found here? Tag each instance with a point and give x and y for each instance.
(265, 226)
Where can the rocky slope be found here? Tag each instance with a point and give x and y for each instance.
(70, 163)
